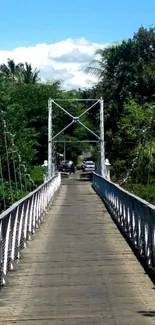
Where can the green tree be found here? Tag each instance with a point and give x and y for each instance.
(19, 73)
(28, 75)
(11, 71)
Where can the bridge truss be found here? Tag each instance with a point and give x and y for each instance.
(75, 119)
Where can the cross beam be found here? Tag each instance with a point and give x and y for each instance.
(75, 141)
(75, 119)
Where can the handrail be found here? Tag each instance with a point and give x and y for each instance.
(19, 222)
(134, 215)
(14, 205)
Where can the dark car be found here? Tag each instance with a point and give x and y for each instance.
(67, 166)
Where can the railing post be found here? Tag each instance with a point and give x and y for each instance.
(107, 169)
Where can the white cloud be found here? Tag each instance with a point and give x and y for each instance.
(65, 60)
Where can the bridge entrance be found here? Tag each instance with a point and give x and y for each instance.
(75, 120)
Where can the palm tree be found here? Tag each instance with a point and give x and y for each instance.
(97, 66)
(19, 73)
(29, 75)
(11, 70)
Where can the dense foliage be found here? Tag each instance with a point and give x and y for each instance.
(126, 81)
(24, 128)
(126, 74)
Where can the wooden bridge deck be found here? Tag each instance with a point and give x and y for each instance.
(78, 270)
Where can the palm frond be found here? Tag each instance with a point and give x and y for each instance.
(4, 70)
(97, 65)
(93, 70)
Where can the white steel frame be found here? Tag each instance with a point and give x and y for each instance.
(75, 119)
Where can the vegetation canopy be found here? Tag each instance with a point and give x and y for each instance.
(126, 81)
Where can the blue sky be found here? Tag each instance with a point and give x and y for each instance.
(26, 23)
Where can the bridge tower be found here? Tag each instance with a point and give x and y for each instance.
(75, 119)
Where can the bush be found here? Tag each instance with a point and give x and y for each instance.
(37, 174)
(118, 170)
(7, 196)
(146, 192)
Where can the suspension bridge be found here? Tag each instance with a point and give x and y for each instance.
(76, 252)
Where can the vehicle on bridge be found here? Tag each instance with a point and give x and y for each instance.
(88, 166)
(67, 166)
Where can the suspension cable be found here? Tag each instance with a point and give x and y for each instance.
(22, 170)
(149, 167)
(26, 174)
(2, 180)
(137, 153)
(141, 154)
(7, 158)
(13, 161)
(132, 167)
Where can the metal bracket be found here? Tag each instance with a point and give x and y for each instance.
(76, 119)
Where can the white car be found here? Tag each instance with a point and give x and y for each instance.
(88, 166)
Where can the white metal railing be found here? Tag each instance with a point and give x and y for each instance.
(135, 216)
(18, 223)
